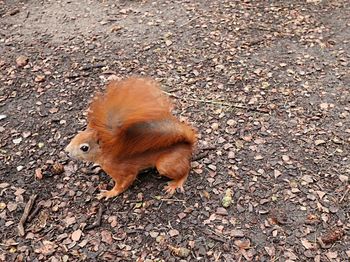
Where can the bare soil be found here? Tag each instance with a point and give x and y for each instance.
(265, 83)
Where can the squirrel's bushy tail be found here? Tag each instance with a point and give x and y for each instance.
(133, 115)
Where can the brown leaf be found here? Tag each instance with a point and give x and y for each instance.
(271, 251)
(4, 185)
(11, 206)
(221, 211)
(22, 60)
(319, 142)
(179, 251)
(106, 236)
(38, 174)
(47, 248)
(242, 244)
(332, 236)
(39, 78)
(324, 106)
(113, 221)
(307, 244)
(19, 191)
(168, 42)
(276, 173)
(76, 235)
(153, 234)
(173, 232)
(69, 221)
(181, 215)
(237, 233)
(332, 255)
(285, 158)
(53, 110)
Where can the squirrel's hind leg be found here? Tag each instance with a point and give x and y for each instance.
(175, 164)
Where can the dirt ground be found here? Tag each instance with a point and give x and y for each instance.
(265, 83)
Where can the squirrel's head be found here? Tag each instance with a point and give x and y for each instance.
(84, 146)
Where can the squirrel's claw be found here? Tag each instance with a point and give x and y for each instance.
(104, 194)
(170, 189)
(101, 195)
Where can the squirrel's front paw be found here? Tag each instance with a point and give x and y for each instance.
(106, 194)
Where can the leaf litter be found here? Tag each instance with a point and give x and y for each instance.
(263, 83)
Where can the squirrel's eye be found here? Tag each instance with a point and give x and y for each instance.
(84, 148)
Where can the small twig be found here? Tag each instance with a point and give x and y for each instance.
(200, 100)
(24, 217)
(200, 156)
(189, 21)
(77, 75)
(203, 154)
(35, 212)
(170, 199)
(173, 90)
(264, 28)
(88, 67)
(111, 19)
(212, 234)
(346, 192)
(217, 103)
(98, 218)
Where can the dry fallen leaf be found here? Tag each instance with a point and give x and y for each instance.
(173, 232)
(47, 248)
(11, 206)
(324, 106)
(179, 251)
(276, 173)
(319, 142)
(227, 199)
(168, 42)
(242, 244)
(285, 158)
(332, 236)
(271, 251)
(76, 235)
(38, 174)
(307, 244)
(332, 255)
(22, 60)
(106, 236)
(69, 221)
(39, 78)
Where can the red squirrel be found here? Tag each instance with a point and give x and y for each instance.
(131, 128)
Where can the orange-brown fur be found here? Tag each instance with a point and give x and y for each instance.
(130, 128)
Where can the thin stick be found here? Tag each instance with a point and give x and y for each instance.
(216, 103)
(203, 154)
(189, 21)
(34, 213)
(200, 156)
(98, 218)
(23, 219)
(88, 67)
(346, 192)
(170, 199)
(200, 100)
